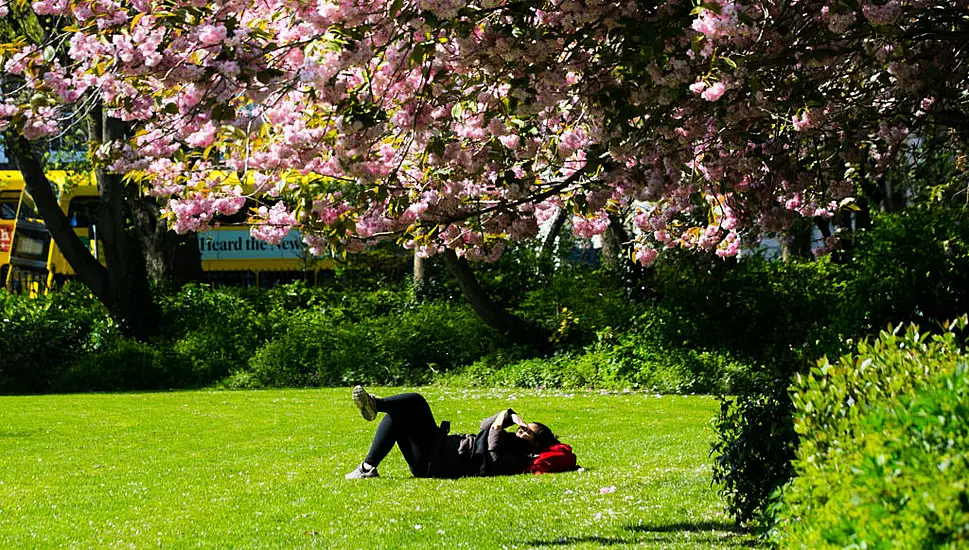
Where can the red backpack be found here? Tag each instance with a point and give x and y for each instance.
(557, 458)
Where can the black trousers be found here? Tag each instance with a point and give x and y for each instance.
(409, 423)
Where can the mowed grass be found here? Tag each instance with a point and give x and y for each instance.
(264, 469)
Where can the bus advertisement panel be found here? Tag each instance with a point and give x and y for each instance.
(234, 249)
(6, 239)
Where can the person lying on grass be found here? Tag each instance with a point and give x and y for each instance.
(431, 452)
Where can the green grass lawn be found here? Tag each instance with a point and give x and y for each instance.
(260, 469)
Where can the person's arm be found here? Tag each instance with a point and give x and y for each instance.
(502, 420)
(495, 425)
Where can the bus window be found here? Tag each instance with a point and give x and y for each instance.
(83, 211)
(28, 212)
(8, 204)
(31, 244)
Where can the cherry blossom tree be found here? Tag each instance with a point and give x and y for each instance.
(464, 126)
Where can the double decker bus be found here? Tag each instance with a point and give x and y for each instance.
(229, 254)
(24, 239)
(31, 262)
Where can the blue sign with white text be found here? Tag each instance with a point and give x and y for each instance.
(237, 244)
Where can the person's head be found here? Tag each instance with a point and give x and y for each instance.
(538, 434)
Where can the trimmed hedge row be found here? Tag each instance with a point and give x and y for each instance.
(884, 454)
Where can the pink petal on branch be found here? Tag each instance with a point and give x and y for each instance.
(714, 92)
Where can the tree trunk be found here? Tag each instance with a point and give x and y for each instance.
(514, 328)
(796, 241)
(133, 304)
(613, 240)
(548, 245)
(420, 278)
(172, 260)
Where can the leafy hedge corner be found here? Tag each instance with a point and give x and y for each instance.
(884, 446)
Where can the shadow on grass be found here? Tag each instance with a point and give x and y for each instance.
(723, 534)
(567, 541)
(688, 527)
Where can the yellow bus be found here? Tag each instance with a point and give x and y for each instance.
(30, 260)
(24, 239)
(229, 254)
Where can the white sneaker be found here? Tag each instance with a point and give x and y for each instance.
(360, 473)
(365, 402)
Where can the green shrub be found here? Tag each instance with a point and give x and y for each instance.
(770, 313)
(214, 331)
(885, 440)
(645, 356)
(40, 337)
(561, 371)
(487, 371)
(313, 351)
(577, 303)
(633, 359)
(753, 450)
(123, 365)
(911, 267)
(777, 317)
(405, 347)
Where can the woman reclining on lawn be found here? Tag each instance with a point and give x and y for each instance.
(431, 452)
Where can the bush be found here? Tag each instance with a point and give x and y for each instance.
(878, 429)
(911, 267)
(577, 303)
(405, 347)
(560, 371)
(40, 337)
(753, 451)
(213, 331)
(123, 365)
(769, 313)
(618, 360)
(645, 356)
(313, 351)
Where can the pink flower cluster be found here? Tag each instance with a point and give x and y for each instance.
(272, 224)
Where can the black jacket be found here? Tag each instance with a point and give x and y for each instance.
(488, 453)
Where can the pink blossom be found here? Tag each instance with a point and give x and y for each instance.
(838, 23)
(885, 14)
(571, 140)
(645, 255)
(211, 35)
(204, 137)
(51, 7)
(228, 205)
(510, 141)
(590, 227)
(272, 224)
(714, 92)
(803, 122)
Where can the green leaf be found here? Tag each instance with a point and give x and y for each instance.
(266, 76)
(223, 112)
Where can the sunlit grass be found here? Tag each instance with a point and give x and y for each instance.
(265, 469)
